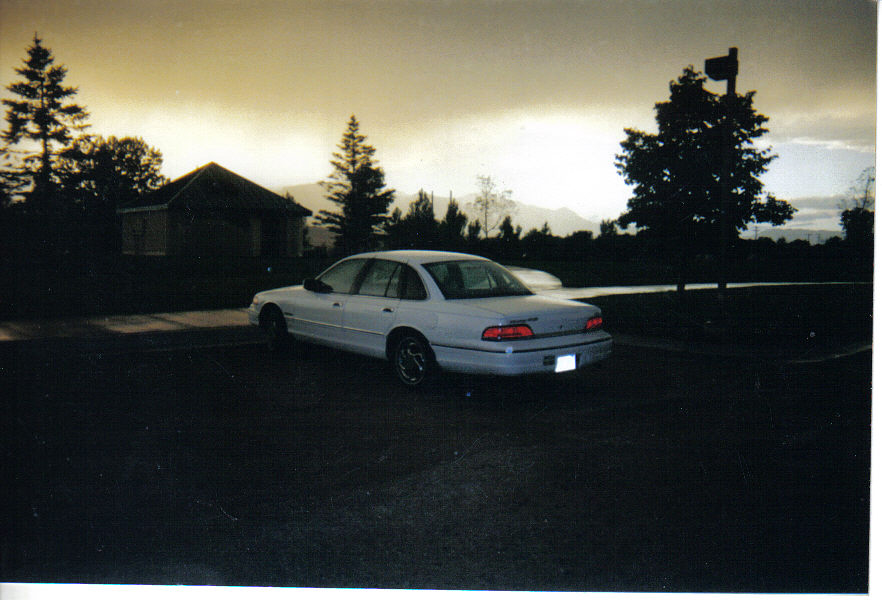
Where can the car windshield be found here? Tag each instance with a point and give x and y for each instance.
(474, 279)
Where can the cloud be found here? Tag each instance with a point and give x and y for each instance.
(817, 203)
(804, 170)
(826, 129)
(816, 212)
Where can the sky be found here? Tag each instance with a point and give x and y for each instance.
(535, 94)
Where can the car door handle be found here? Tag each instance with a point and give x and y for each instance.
(336, 305)
(387, 310)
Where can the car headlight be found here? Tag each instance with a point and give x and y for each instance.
(255, 301)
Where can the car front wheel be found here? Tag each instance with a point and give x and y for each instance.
(412, 360)
(274, 327)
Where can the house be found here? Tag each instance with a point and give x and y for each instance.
(211, 212)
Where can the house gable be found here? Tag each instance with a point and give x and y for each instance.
(213, 211)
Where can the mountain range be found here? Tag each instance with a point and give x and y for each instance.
(562, 221)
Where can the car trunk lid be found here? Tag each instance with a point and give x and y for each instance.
(544, 315)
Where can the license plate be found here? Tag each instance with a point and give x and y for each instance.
(565, 363)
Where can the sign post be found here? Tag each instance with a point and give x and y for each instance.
(719, 68)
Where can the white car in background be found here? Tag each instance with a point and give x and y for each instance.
(424, 310)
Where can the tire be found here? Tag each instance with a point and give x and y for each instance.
(276, 330)
(412, 360)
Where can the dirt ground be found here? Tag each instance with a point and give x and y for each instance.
(231, 466)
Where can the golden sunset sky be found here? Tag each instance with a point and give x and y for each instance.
(534, 93)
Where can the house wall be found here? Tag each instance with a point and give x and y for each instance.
(145, 232)
(212, 235)
(156, 232)
(254, 225)
(295, 236)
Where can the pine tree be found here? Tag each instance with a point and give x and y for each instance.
(417, 229)
(508, 238)
(451, 229)
(358, 187)
(42, 118)
(421, 222)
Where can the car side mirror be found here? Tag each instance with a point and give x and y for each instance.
(314, 285)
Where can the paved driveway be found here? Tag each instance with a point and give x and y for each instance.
(232, 466)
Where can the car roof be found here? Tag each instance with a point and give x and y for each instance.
(419, 256)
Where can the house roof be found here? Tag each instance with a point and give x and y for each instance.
(212, 188)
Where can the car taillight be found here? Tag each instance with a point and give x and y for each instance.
(594, 323)
(507, 332)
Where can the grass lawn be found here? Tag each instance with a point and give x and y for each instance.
(790, 315)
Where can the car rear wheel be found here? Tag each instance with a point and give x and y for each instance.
(274, 327)
(412, 360)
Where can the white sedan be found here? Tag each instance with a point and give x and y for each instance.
(423, 310)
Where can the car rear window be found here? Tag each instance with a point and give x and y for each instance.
(474, 279)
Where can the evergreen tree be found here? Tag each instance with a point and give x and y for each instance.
(393, 231)
(473, 233)
(508, 238)
(358, 187)
(43, 118)
(537, 242)
(451, 228)
(421, 224)
(417, 229)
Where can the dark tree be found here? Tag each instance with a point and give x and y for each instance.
(100, 175)
(538, 243)
(358, 187)
(394, 236)
(103, 174)
(608, 228)
(452, 227)
(417, 229)
(473, 233)
(43, 117)
(6, 191)
(508, 238)
(858, 213)
(420, 218)
(678, 172)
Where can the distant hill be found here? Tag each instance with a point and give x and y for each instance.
(308, 195)
(561, 221)
(814, 236)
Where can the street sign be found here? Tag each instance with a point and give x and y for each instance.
(722, 67)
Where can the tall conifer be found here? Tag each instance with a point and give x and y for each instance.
(41, 118)
(358, 187)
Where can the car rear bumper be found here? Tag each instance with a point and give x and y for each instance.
(522, 362)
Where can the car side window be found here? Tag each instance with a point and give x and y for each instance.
(341, 276)
(381, 279)
(394, 287)
(412, 287)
